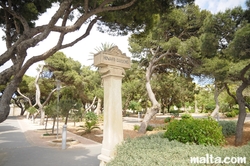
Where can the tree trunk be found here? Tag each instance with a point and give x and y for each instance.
(38, 96)
(215, 112)
(149, 114)
(66, 118)
(53, 125)
(6, 98)
(90, 107)
(98, 107)
(30, 104)
(242, 114)
(42, 113)
(22, 111)
(156, 106)
(46, 123)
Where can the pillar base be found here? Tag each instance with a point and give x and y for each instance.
(104, 159)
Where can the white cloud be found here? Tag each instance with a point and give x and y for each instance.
(216, 6)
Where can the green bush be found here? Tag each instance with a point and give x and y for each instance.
(136, 127)
(228, 127)
(210, 107)
(175, 113)
(198, 131)
(91, 116)
(150, 128)
(186, 116)
(167, 119)
(154, 150)
(90, 122)
(236, 111)
(191, 111)
(32, 110)
(230, 114)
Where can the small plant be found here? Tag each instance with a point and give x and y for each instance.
(136, 127)
(90, 125)
(32, 110)
(228, 127)
(175, 113)
(186, 116)
(90, 122)
(150, 128)
(198, 131)
(91, 116)
(167, 119)
(231, 114)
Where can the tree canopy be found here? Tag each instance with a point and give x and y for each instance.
(18, 23)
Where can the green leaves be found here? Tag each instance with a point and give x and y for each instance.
(198, 131)
(239, 48)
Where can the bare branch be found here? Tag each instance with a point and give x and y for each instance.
(27, 98)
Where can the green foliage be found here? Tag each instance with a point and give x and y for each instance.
(120, 22)
(186, 116)
(167, 119)
(90, 121)
(198, 131)
(91, 116)
(136, 127)
(231, 114)
(175, 113)
(191, 111)
(150, 128)
(228, 127)
(135, 105)
(50, 109)
(239, 47)
(154, 150)
(32, 110)
(210, 108)
(90, 125)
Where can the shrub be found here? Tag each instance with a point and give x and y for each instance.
(32, 110)
(210, 107)
(154, 150)
(191, 111)
(90, 121)
(198, 131)
(228, 127)
(186, 116)
(91, 116)
(175, 113)
(136, 127)
(150, 128)
(167, 119)
(236, 111)
(230, 114)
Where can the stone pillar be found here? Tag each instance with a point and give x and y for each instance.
(111, 65)
(113, 125)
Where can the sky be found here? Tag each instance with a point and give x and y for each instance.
(83, 49)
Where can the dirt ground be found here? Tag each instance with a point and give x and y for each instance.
(246, 136)
(96, 134)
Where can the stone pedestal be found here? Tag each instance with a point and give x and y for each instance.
(113, 126)
(111, 65)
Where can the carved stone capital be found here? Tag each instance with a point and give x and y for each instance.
(111, 71)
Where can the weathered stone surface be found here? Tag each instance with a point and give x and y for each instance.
(111, 65)
(113, 57)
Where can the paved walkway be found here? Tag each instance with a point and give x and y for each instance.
(21, 145)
